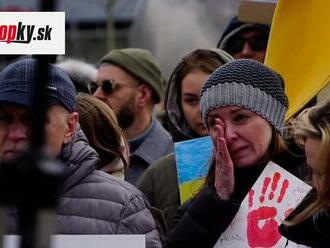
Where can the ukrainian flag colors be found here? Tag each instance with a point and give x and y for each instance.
(192, 159)
(299, 48)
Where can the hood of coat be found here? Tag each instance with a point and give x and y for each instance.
(235, 27)
(178, 126)
(80, 158)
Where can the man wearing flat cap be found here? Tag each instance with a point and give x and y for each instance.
(91, 201)
(131, 83)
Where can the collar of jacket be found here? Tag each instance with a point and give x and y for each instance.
(80, 158)
(153, 146)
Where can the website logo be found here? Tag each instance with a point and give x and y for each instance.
(32, 33)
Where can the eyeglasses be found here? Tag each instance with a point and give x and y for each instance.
(108, 86)
(236, 44)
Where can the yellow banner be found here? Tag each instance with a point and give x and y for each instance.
(299, 48)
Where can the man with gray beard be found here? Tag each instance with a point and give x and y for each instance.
(131, 83)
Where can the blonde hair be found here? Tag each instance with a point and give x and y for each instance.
(99, 123)
(314, 123)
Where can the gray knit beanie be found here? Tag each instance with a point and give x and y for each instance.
(249, 84)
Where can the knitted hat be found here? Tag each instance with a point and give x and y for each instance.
(17, 82)
(141, 64)
(249, 84)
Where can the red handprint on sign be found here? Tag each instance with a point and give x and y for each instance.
(262, 228)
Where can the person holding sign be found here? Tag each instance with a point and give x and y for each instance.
(160, 182)
(309, 223)
(243, 105)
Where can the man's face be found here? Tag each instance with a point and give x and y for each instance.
(248, 44)
(15, 129)
(121, 95)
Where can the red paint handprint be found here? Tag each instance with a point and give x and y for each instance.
(262, 228)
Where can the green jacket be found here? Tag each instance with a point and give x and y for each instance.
(160, 185)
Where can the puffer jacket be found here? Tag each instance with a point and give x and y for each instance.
(159, 182)
(94, 202)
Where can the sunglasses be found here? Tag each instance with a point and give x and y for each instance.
(107, 86)
(236, 44)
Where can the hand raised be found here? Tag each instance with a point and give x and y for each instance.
(224, 168)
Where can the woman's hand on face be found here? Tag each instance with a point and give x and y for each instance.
(224, 168)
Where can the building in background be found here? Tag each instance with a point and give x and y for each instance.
(169, 28)
(172, 28)
(125, 14)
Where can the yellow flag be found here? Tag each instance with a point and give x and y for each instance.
(299, 48)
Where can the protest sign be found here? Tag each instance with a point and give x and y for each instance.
(256, 11)
(192, 157)
(273, 196)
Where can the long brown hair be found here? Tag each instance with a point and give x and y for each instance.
(314, 123)
(99, 123)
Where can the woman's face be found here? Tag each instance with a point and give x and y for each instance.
(248, 135)
(190, 88)
(312, 146)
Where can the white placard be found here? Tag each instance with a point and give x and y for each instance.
(273, 196)
(32, 33)
(86, 241)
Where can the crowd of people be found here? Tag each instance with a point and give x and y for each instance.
(121, 169)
